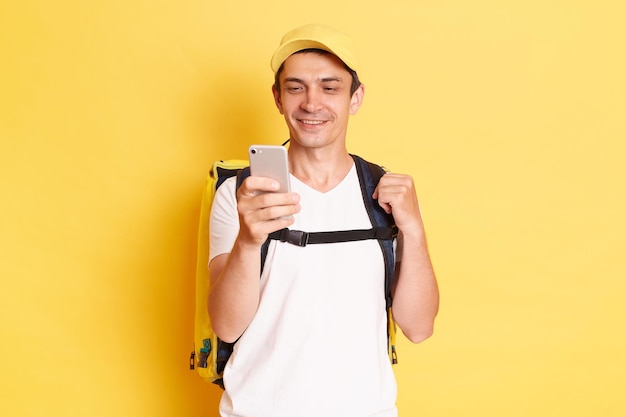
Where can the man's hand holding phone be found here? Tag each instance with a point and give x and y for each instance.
(264, 201)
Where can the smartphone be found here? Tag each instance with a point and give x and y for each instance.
(270, 161)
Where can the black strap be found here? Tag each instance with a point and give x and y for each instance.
(300, 238)
(369, 175)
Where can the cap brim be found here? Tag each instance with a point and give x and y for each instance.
(289, 48)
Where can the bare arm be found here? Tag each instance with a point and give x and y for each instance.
(234, 293)
(415, 293)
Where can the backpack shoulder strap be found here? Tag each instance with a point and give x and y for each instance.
(369, 175)
(242, 174)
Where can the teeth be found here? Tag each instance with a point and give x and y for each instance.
(312, 122)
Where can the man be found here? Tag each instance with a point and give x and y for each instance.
(284, 363)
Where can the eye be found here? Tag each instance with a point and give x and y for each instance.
(331, 88)
(293, 86)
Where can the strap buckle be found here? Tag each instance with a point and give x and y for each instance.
(295, 237)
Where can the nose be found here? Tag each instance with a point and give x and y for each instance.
(312, 101)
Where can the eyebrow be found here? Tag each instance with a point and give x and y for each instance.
(331, 79)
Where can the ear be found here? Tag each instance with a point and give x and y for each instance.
(357, 99)
(277, 99)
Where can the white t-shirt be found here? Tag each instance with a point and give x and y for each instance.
(317, 346)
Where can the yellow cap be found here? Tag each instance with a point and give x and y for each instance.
(318, 37)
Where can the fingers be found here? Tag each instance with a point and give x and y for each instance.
(262, 210)
(260, 193)
(395, 188)
(253, 186)
(396, 194)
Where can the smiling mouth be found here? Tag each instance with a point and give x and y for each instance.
(311, 122)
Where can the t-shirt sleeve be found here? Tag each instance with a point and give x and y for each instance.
(224, 220)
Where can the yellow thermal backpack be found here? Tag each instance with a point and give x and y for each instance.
(210, 354)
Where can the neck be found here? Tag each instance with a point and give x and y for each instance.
(318, 168)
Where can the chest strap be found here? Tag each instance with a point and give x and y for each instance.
(300, 238)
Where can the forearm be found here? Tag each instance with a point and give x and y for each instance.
(235, 277)
(416, 295)
(234, 293)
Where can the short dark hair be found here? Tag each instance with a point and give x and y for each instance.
(356, 83)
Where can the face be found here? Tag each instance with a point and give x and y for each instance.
(315, 99)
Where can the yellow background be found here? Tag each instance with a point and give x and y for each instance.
(510, 115)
